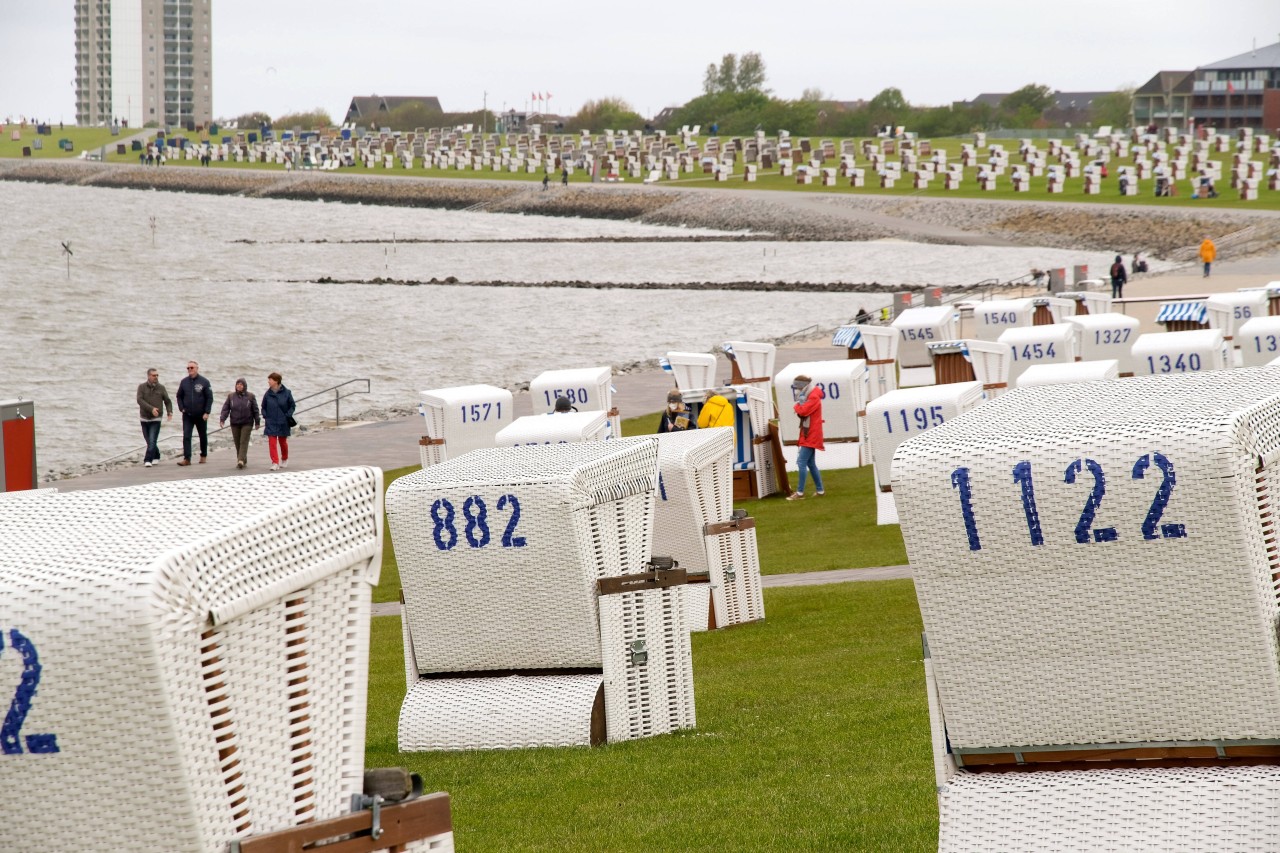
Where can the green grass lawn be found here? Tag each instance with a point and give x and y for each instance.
(1073, 188)
(812, 734)
(82, 138)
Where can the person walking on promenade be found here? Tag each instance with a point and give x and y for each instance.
(564, 176)
(242, 408)
(277, 415)
(1118, 279)
(1208, 254)
(195, 402)
(152, 400)
(808, 406)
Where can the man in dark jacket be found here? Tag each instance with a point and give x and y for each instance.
(195, 401)
(153, 401)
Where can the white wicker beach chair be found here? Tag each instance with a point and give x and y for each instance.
(1101, 336)
(531, 618)
(753, 362)
(194, 653)
(693, 370)
(1259, 340)
(1076, 371)
(695, 524)
(992, 319)
(1158, 353)
(918, 327)
(894, 417)
(844, 410)
(973, 360)
(754, 470)
(881, 344)
(1228, 311)
(1139, 516)
(1052, 344)
(554, 429)
(588, 389)
(462, 419)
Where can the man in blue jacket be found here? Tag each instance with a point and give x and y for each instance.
(195, 401)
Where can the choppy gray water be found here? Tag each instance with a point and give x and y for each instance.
(80, 346)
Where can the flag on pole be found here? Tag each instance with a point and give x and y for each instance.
(534, 97)
(548, 96)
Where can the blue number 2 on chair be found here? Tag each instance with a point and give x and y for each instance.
(10, 742)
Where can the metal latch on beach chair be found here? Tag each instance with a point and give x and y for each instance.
(389, 814)
(428, 441)
(738, 521)
(664, 572)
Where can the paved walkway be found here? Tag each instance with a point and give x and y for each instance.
(394, 443)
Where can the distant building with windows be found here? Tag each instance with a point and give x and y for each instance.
(1164, 100)
(144, 61)
(1240, 91)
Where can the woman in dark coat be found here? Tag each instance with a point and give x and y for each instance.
(277, 415)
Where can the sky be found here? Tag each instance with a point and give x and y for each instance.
(284, 56)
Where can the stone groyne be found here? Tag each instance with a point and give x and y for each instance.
(1159, 231)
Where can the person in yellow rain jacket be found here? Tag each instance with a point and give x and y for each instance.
(716, 412)
(1208, 253)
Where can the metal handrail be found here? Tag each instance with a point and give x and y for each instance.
(337, 416)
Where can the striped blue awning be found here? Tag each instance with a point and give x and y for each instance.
(963, 346)
(847, 336)
(1194, 311)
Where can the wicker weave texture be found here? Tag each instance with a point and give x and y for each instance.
(693, 371)
(197, 649)
(1196, 351)
(553, 429)
(511, 712)
(1053, 344)
(994, 318)
(1093, 561)
(919, 327)
(991, 362)
(760, 411)
(1259, 341)
(1104, 336)
(695, 488)
(1076, 371)
(652, 696)
(695, 599)
(517, 592)
(1228, 310)
(736, 590)
(1203, 809)
(467, 418)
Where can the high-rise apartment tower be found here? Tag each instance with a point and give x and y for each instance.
(144, 61)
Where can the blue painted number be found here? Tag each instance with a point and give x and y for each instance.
(10, 740)
(1084, 525)
(1168, 530)
(476, 514)
(509, 538)
(443, 524)
(960, 481)
(1022, 476)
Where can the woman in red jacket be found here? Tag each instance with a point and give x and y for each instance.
(809, 408)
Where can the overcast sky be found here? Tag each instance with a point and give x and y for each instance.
(288, 55)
